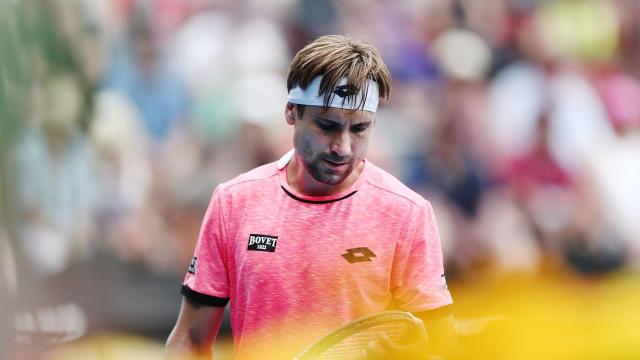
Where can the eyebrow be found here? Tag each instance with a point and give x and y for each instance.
(325, 119)
(320, 118)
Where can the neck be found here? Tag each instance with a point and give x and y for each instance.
(299, 178)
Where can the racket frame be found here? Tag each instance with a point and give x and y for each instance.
(357, 325)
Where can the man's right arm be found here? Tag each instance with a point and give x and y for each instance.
(194, 332)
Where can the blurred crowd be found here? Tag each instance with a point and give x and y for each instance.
(518, 119)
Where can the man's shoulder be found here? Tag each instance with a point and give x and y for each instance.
(391, 188)
(250, 179)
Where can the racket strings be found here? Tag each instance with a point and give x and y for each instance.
(354, 346)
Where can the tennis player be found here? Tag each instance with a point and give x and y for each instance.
(306, 244)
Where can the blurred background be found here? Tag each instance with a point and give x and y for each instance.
(518, 119)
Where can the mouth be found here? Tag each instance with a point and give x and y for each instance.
(336, 165)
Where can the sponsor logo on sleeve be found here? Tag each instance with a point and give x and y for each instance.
(192, 266)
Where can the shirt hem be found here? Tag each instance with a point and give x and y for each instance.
(203, 299)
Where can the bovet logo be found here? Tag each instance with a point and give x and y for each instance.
(258, 242)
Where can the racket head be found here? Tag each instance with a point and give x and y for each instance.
(351, 340)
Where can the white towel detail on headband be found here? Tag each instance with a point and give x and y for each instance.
(342, 99)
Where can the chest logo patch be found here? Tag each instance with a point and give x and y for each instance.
(258, 242)
(361, 254)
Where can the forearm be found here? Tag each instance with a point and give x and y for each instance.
(194, 333)
(181, 346)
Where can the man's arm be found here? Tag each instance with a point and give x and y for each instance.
(194, 332)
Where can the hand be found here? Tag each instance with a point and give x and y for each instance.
(384, 349)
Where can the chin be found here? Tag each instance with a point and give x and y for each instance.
(333, 181)
(329, 178)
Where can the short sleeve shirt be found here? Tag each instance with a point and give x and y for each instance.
(296, 267)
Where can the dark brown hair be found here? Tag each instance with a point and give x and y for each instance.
(335, 57)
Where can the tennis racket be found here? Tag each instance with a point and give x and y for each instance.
(351, 340)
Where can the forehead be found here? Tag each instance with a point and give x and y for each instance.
(339, 115)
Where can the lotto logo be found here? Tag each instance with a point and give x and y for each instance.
(360, 254)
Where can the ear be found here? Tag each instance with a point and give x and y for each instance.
(290, 113)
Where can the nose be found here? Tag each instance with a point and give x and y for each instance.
(341, 144)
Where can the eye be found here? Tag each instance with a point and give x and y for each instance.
(360, 128)
(325, 125)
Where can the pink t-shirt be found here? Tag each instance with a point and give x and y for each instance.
(296, 267)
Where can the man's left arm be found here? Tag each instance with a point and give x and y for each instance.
(418, 281)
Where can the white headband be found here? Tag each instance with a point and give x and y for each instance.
(342, 99)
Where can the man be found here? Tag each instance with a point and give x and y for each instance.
(321, 237)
